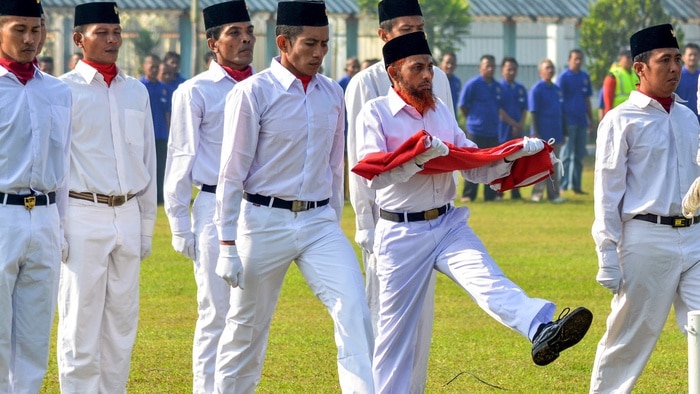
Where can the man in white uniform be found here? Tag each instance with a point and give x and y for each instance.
(419, 229)
(194, 151)
(280, 199)
(396, 18)
(34, 148)
(111, 209)
(648, 253)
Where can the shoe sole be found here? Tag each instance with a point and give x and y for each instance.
(572, 329)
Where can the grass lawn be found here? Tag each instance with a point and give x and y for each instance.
(546, 248)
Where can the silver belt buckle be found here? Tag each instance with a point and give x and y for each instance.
(298, 206)
(116, 201)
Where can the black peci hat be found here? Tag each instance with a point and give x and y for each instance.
(103, 12)
(660, 36)
(404, 46)
(302, 13)
(225, 13)
(28, 8)
(390, 9)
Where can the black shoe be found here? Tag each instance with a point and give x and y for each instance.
(554, 337)
(581, 192)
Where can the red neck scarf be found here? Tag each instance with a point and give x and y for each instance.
(305, 79)
(239, 75)
(23, 71)
(108, 71)
(665, 102)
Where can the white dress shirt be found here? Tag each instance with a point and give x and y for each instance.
(387, 123)
(282, 142)
(194, 147)
(34, 133)
(368, 84)
(113, 143)
(646, 160)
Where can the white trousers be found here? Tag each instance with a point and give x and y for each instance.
(98, 299)
(419, 375)
(407, 254)
(269, 239)
(30, 256)
(212, 294)
(660, 268)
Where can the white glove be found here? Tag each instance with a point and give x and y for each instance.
(229, 266)
(145, 246)
(64, 251)
(610, 278)
(365, 238)
(437, 149)
(691, 200)
(183, 243)
(530, 147)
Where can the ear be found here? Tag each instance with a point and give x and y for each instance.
(78, 40)
(281, 42)
(211, 43)
(638, 67)
(383, 34)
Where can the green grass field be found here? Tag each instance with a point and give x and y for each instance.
(546, 248)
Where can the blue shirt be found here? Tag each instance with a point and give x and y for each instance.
(455, 88)
(688, 89)
(514, 100)
(575, 89)
(160, 95)
(546, 102)
(482, 100)
(343, 82)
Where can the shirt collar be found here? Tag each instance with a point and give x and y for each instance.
(396, 104)
(89, 73)
(37, 73)
(217, 72)
(642, 100)
(285, 77)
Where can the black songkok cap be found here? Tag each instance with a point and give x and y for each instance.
(27, 8)
(404, 46)
(390, 9)
(302, 13)
(225, 13)
(105, 12)
(660, 36)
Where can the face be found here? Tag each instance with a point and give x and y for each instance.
(403, 25)
(546, 70)
(19, 37)
(173, 63)
(509, 71)
(46, 67)
(487, 68)
(304, 55)
(448, 64)
(625, 62)
(575, 61)
(74, 59)
(234, 47)
(100, 42)
(660, 77)
(165, 73)
(352, 67)
(150, 68)
(690, 58)
(415, 74)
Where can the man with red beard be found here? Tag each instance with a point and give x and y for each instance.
(34, 151)
(422, 231)
(194, 151)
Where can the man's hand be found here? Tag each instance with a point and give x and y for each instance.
(530, 147)
(437, 148)
(365, 238)
(229, 266)
(610, 278)
(184, 244)
(145, 246)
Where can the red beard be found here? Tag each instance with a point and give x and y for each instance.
(421, 100)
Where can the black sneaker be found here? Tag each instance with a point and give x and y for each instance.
(554, 337)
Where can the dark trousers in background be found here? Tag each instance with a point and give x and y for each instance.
(470, 189)
(161, 155)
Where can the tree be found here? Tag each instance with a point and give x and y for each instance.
(446, 22)
(145, 43)
(609, 27)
